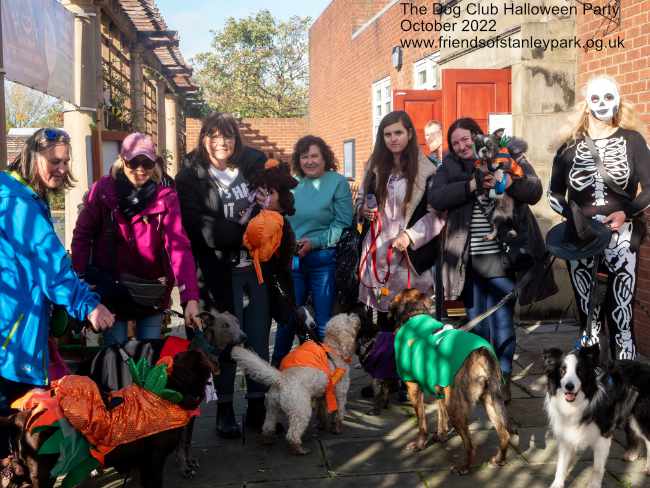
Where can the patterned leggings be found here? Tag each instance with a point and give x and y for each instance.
(620, 264)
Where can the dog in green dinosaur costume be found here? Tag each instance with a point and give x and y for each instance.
(457, 367)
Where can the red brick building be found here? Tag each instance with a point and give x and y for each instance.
(352, 77)
(631, 68)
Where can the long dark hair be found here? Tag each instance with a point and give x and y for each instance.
(466, 123)
(303, 145)
(382, 162)
(227, 126)
(26, 164)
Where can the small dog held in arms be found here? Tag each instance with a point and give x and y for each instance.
(586, 403)
(311, 371)
(496, 155)
(442, 360)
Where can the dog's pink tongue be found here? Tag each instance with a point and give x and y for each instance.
(569, 397)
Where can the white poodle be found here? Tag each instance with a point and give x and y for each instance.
(293, 387)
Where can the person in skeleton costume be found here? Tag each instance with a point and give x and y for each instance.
(600, 166)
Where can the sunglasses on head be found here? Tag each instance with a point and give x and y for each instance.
(138, 161)
(56, 135)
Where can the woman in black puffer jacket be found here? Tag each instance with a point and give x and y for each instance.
(213, 188)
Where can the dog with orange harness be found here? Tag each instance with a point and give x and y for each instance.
(311, 371)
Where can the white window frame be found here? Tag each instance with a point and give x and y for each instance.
(349, 162)
(382, 102)
(429, 66)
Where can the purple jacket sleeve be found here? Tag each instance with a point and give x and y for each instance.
(179, 251)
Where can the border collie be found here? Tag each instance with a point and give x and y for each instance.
(585, 404)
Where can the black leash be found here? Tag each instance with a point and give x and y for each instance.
(521, 284)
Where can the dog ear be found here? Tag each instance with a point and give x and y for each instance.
(552, 358)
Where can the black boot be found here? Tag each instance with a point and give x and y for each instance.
(227, 426)
(255, 413)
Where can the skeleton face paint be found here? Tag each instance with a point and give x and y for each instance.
(603, 99)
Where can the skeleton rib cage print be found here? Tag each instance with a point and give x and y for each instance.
(584, 174)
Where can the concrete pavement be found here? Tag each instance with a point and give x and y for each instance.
(370, 451)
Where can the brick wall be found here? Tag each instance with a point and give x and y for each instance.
(277, 135)
(192, 130)
(631, 68)
(343, 69)
(269, 135)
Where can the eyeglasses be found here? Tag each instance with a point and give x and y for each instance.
(135, 163)
(56, 135)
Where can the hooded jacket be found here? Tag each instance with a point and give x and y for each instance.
(35, 273)
(450, 191)
(150, 245)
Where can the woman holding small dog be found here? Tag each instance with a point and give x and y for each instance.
(130, 229)
(599, 168)
(474, 267)
(36, 272)
(398, 249)
(213, 188)
(323, 204)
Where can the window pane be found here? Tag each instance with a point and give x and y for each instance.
(422, 77)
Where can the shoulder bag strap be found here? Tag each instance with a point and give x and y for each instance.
(609, 181)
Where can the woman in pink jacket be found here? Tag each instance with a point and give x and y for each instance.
(130, 226)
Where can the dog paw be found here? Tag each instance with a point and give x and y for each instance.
(298, 450)
(188, 472)
(498, 460)
(417, 445)
(463, 469)
(631, 455)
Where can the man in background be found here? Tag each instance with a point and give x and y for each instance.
(433, 138)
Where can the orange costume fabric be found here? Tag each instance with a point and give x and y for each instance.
(263, 237)
(312, 355)
(77, 398)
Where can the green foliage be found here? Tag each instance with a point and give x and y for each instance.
(257, 67)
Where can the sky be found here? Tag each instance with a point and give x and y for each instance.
(193, 19)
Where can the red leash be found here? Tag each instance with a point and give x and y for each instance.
(375, 231)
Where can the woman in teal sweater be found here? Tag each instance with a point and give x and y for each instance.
(323, 209)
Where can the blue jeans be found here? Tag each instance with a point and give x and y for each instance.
(146, 328)
(314, 276)
(480, 294)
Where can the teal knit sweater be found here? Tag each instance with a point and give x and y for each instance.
(323, 209)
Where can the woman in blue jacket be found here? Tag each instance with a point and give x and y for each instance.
(36, 271)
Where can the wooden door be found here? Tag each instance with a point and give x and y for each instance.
(475, 93)
(422, 106)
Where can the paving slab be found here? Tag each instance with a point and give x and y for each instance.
(368, 456)
(513, 475)
(402, 480)
(537, 446)
(527, 412)
(534, 385)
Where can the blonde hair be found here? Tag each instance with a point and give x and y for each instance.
(578, 119)
(118, 165)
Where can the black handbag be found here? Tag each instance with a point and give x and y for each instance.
(127, 296)
(346, 274)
